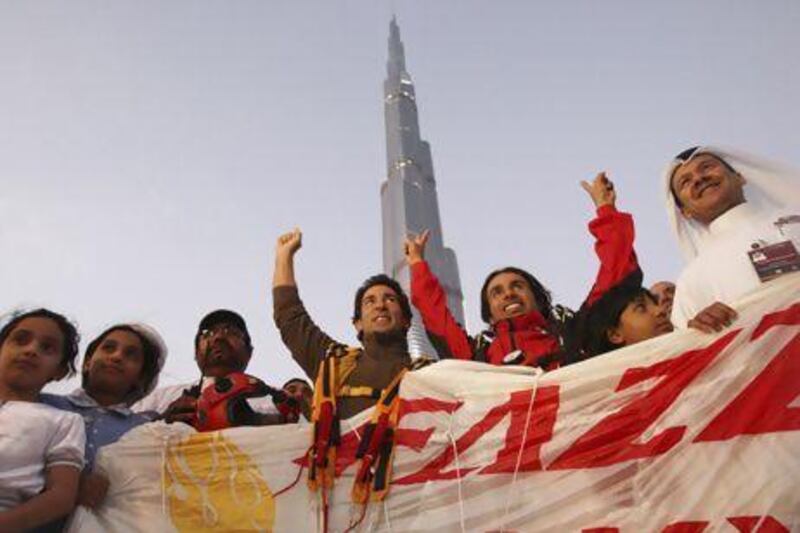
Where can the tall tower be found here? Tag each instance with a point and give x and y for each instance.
(408, 196)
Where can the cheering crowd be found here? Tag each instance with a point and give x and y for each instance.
(736, 218)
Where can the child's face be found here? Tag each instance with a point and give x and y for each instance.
(32, 355)
(116, 365)
(642, 319)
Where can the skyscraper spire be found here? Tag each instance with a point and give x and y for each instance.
(396, 65)
(408, 195)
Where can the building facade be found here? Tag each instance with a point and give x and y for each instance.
(409, 201)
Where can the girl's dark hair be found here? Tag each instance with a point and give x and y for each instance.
(541, 295)
(591, 336)
(69, 350)
(149, 350)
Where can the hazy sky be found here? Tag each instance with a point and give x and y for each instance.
(151, 152)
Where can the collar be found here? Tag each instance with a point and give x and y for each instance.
(732, 219)
(80, 398)
(529, 321)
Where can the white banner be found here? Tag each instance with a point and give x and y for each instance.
(686, 433)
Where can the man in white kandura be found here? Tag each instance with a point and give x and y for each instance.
(737, 220)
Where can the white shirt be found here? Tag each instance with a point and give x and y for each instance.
(162, 397)
(34, 437)
(722, 271)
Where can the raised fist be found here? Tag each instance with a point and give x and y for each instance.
(289, 243)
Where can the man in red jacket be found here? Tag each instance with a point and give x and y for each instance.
(523, 327)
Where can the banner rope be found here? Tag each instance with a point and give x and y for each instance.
(363, 511)
(386, 516)
(296, 479)
(538, 373)
(458, 475)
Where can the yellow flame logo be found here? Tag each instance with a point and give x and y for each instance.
(212, 485)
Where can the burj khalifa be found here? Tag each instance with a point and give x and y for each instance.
(409, 202)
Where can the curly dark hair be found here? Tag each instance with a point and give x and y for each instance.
(149, 350)
(69, 350)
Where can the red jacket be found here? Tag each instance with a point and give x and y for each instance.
(530, 333)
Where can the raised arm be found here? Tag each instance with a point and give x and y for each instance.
(287, 246)
(614, 235)
(427, 295)
(304, 339)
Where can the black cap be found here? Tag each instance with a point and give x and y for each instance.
(222, 316)
(687, 154)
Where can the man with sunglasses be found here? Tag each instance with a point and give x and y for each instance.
(222, 346)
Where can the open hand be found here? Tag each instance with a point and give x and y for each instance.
(601, 189)
(415, 247)
(184, 409)
(92, 490)
(713, 318)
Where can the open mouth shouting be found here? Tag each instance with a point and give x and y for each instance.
(513, 308)
(382, 320)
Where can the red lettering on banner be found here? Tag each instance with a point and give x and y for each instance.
(519, 402)
(786, 317)
(743, 524)
(540, 430)
(427, 405)
(763, 406)
(345, 453)
(412, 438)
(765, 524)
(686, 527)
(612, 440)
(416, 439)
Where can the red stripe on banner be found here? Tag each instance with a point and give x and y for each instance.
(685, 527)
(416, 439)
(539, 430)
(766, 524)
(787, 317)
(763, 406)
(426, 405)
(612, 440)
(518, 404)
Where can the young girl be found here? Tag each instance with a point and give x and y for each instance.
(41, 447)
(120, 367)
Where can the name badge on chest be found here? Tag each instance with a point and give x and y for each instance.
(773, 260)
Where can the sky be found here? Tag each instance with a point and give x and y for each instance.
(152, 152)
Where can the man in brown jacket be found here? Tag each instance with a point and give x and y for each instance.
(382, 316)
